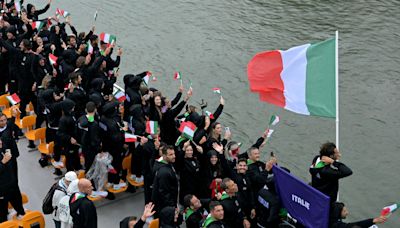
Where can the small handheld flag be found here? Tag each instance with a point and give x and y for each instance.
(89, 47)
(217, 90)
(14, 99)
(146, 78)
(119, 95)
(108, 38)
(188, 128)
(130, 137)
(210, 114)
(17, 5)
(269, 133)
(389, 209)
(37, 25)
(95, 16)
(60, 12)
(274, 120)
(152, 127)
(177, 76)
(53, 59)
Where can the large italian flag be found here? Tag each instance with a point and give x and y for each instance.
(300, 79)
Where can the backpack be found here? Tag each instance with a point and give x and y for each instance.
(47, 206)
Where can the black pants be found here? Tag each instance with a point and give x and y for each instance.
(137, 159)
(90, 155)
(14, 197)
(73, 159)
(117, 164)
(25, 99)
(51, 137)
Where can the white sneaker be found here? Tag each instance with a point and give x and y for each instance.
(58, 164)
(19, 217)
(102, 193)
(139, 179)
(94, 194)
(116, 187)
(122, 185)
(133, 177)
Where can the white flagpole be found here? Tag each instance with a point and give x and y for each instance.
(337, 86)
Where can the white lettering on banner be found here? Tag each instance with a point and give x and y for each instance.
(301, 201)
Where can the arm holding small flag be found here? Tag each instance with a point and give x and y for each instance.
(44, 10)
(178, 96)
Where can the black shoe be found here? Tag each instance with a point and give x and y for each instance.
(110, 196)
(131, 188)
(31, 145)
(43, 162)
(57, 172)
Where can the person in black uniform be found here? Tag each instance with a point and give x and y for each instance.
(195, 210)
(233, 213)
(82, 210)
(165, 185)
(216, 216)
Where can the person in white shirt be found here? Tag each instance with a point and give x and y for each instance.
(60, 193)
(63, 205)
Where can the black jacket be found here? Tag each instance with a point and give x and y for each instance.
(78, 95)
(67, 125)
(190, 178)
(233, 213)
(8, 180)
(89, 135)
(245, 194)
(8, 138)
(326, 179)
(165, 187)
(23, 68)
(268, 207)
(83, 212)
(258, 175)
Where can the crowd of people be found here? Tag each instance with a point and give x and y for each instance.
(203, 180)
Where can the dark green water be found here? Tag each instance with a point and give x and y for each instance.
(211, 42)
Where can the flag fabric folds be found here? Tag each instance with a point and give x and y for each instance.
(187, 129)
(13, 99)
(152, 127)
(300, 79)
(306, 204)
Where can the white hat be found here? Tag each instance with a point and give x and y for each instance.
(70, 176)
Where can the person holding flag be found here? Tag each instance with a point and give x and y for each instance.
(326, 170)
(340, 212)
(33, 14)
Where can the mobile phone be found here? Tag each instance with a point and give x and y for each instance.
(272, 154)
(227, 129)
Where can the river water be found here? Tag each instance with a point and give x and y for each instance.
(210, 42)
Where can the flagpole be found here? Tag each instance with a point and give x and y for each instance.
(337, 85)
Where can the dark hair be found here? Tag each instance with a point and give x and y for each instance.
(166, 148)
(327, 149)
(90, 106)
(27, 44)
(2, 114)
(242, 160)
(187, 200)
(251, 149)
(213, 204)
(73, 77)
(80, 61)
(224, 183)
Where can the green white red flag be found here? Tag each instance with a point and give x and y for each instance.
(108, 38)
(37, 25)
(187, 129)
(274, 120)
(217, 90)
(53, 59)
(13, 99)
(301, 79)
(130, 137)
(119, 95)
(60, 12)
(152, 127)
